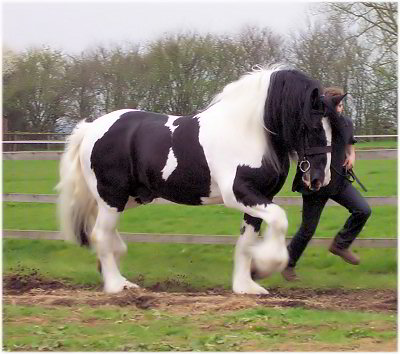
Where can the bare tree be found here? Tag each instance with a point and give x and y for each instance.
(329, 52)
(34, 94)
(260, 46)
(82, 81)
(377, 21)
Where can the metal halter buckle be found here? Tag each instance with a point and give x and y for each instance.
(308, 165)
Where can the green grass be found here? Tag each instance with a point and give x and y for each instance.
(209, 220)
(130, 329)
(30, 176)
(40, 177)
(195, 265)
(377, 144)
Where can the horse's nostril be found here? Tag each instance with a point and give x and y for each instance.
(316, 184)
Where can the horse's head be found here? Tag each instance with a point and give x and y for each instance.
(297, 117)
(314, 149)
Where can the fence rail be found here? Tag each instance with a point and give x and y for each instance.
(32, 155)
(376, 136)
(192, 239)
(41, 141)
(21, 134)
(384, 154)
(20, 142)
(52, 198)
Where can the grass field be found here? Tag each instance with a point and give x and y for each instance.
(195, 264)
(243, 327)
(111, 328)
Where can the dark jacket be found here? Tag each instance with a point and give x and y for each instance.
(342, 135)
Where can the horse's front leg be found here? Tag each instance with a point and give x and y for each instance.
(265, 257)
(242, 282)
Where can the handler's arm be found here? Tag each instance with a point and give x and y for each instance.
(350, 150)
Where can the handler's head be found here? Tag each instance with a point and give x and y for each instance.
(335, 91)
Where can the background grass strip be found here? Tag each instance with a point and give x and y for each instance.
(40, 177)
(208, 220)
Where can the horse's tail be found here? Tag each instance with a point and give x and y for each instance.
(76, 205)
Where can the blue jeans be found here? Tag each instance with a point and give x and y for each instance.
(313, 205)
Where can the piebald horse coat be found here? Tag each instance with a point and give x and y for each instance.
(236, 151)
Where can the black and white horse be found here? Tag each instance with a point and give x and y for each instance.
(236, 151)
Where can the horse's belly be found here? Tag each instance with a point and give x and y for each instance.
(211, 201)
(215, 195)
(190, 190)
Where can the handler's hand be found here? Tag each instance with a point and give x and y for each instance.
(350, 158)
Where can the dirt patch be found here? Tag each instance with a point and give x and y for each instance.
(22, 283)
(132, 298)
(31, 289)
(172, 285)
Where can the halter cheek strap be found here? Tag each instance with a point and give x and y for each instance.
(304, 163)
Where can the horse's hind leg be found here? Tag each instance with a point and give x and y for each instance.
(108, 244)
(118, 244)
(118, 248)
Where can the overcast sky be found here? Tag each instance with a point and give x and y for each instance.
(75, 26)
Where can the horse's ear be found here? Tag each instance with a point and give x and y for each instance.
(315, 99)
(336, 99)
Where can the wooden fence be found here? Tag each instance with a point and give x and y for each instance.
(51, 198)
(183, 238)
(55, 136)
(378, 154)
(12, 150)
(193, 239)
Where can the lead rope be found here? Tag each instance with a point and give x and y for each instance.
(351, 177)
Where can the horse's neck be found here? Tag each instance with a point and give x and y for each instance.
(280, 150)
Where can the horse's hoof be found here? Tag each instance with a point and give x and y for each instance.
(115, 288)
(251, 288)
(129, 285)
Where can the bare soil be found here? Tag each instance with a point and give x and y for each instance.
(32, 289)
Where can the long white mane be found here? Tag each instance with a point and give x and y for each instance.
(245, 98)
(242, 103)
